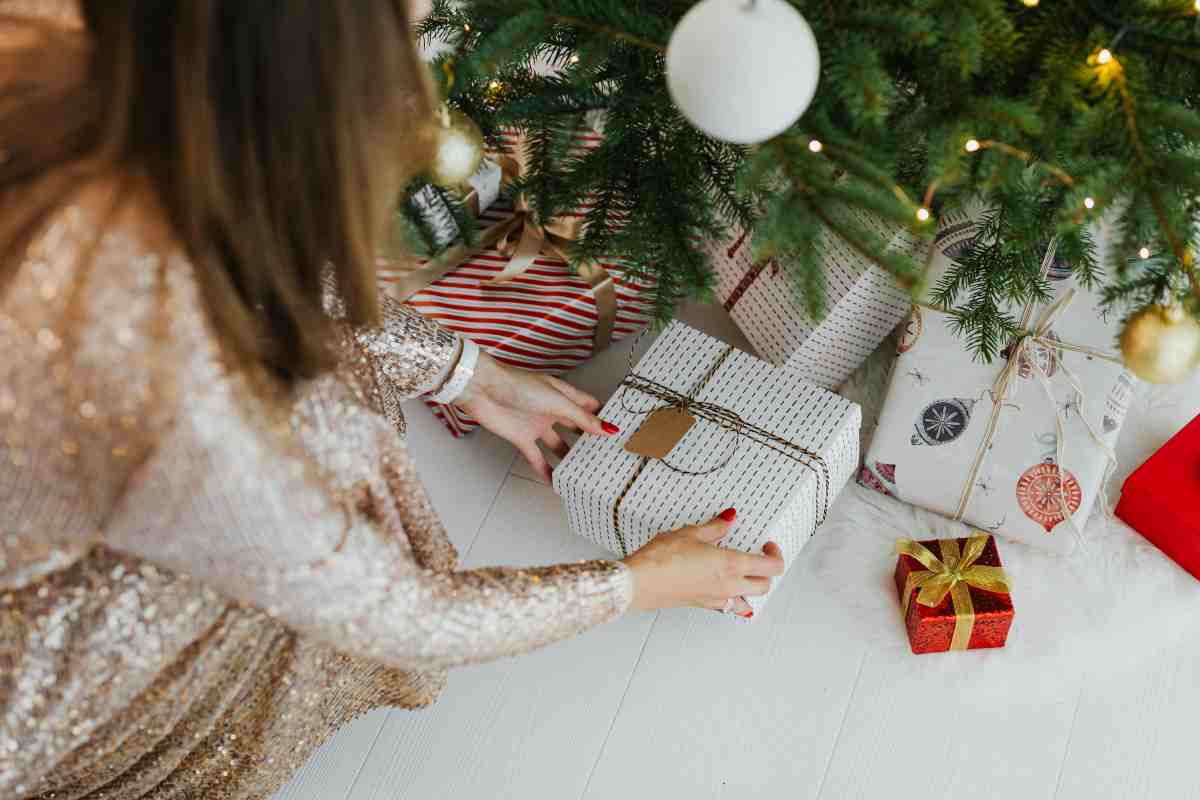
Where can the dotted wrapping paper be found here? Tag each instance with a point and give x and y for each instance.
(863, 305)
(621, 500)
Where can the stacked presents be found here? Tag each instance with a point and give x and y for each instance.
(1028, 439)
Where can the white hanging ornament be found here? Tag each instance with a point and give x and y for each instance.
(742, 70)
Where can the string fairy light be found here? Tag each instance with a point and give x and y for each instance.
(1089, 202)
(1144, 253)
(973, 144)
(1104, 56)
(815, 145)
(923, 214)
(1033, 3)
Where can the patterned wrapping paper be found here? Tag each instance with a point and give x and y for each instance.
(988, 615)
(864, 306)
(939, 405)
(544, 319)
(621, 500)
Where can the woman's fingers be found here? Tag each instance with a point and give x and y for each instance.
(716, 528)
(536, 459)
(575, 395)
(555, 443)
(750, 565)
(754, 587)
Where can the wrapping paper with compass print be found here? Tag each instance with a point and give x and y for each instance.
(936, 416)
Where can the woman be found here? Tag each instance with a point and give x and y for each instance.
(216, 549)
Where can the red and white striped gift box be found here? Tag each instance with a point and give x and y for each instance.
(543, 320)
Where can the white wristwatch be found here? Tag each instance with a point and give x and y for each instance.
(454, 386)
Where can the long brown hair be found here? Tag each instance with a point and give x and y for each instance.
(271, 133)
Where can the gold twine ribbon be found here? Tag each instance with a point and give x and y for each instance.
(1023, 347)
(953, 574)
(724, 417)
(520, 237)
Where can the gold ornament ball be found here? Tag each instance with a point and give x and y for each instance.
(459, 149)
(1161, 344)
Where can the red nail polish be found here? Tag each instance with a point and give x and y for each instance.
(748, 615)
(728, 514)
(609, 428)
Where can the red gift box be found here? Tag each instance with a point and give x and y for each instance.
(953, 594)
(1161, 499)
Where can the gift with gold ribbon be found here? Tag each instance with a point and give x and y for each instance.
(518, 292)
(1022, 446)
(954, 593)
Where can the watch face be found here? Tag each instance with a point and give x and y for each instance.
(1040, 497)
(942, 421)
(911, 332)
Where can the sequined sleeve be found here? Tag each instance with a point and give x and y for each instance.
(409, 354)
(234, 507)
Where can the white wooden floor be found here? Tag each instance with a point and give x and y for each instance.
(804, 703)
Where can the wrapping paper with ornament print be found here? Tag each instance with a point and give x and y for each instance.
(944, 443)
(954, 594)
(776, 448)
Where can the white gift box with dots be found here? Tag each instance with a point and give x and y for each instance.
(621, 500)
(863, 304)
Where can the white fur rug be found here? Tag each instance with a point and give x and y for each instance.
(1113, 604)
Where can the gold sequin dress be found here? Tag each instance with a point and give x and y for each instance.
(197, 583)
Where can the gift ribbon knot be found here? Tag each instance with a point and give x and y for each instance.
(1024, 351)
(953, 574)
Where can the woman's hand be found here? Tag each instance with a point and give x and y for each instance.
(523, 407)
(686, 568)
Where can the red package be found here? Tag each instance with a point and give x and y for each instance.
(954, 594)
(1161, 499)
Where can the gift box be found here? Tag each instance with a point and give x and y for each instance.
(1161, 498)
(864, 305)
(954, 594)
(516, 296)
(704, 427)
(984, 442)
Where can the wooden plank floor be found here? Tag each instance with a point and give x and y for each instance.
(663, 705)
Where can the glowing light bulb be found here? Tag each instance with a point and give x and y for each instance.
(1089, 202)
(467, 28)
(1196, 6)
(815, 145)
(575, 59)
(1104, 56)
(923, 214)
(1145, 251)
(973, 144)
(494, 85)
(1033, 3)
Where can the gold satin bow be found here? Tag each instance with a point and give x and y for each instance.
(953, 574)
(523, 239)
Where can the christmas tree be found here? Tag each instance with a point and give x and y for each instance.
(1048, 114)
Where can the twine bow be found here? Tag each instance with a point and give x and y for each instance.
(953, 574)
(727, 419)
(1024, 352)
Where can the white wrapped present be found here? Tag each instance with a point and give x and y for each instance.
(764, 441)
(484, 186)
(983, 442)
(863, 305)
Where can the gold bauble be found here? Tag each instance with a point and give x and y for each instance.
(1161, 344)
(458, 150)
